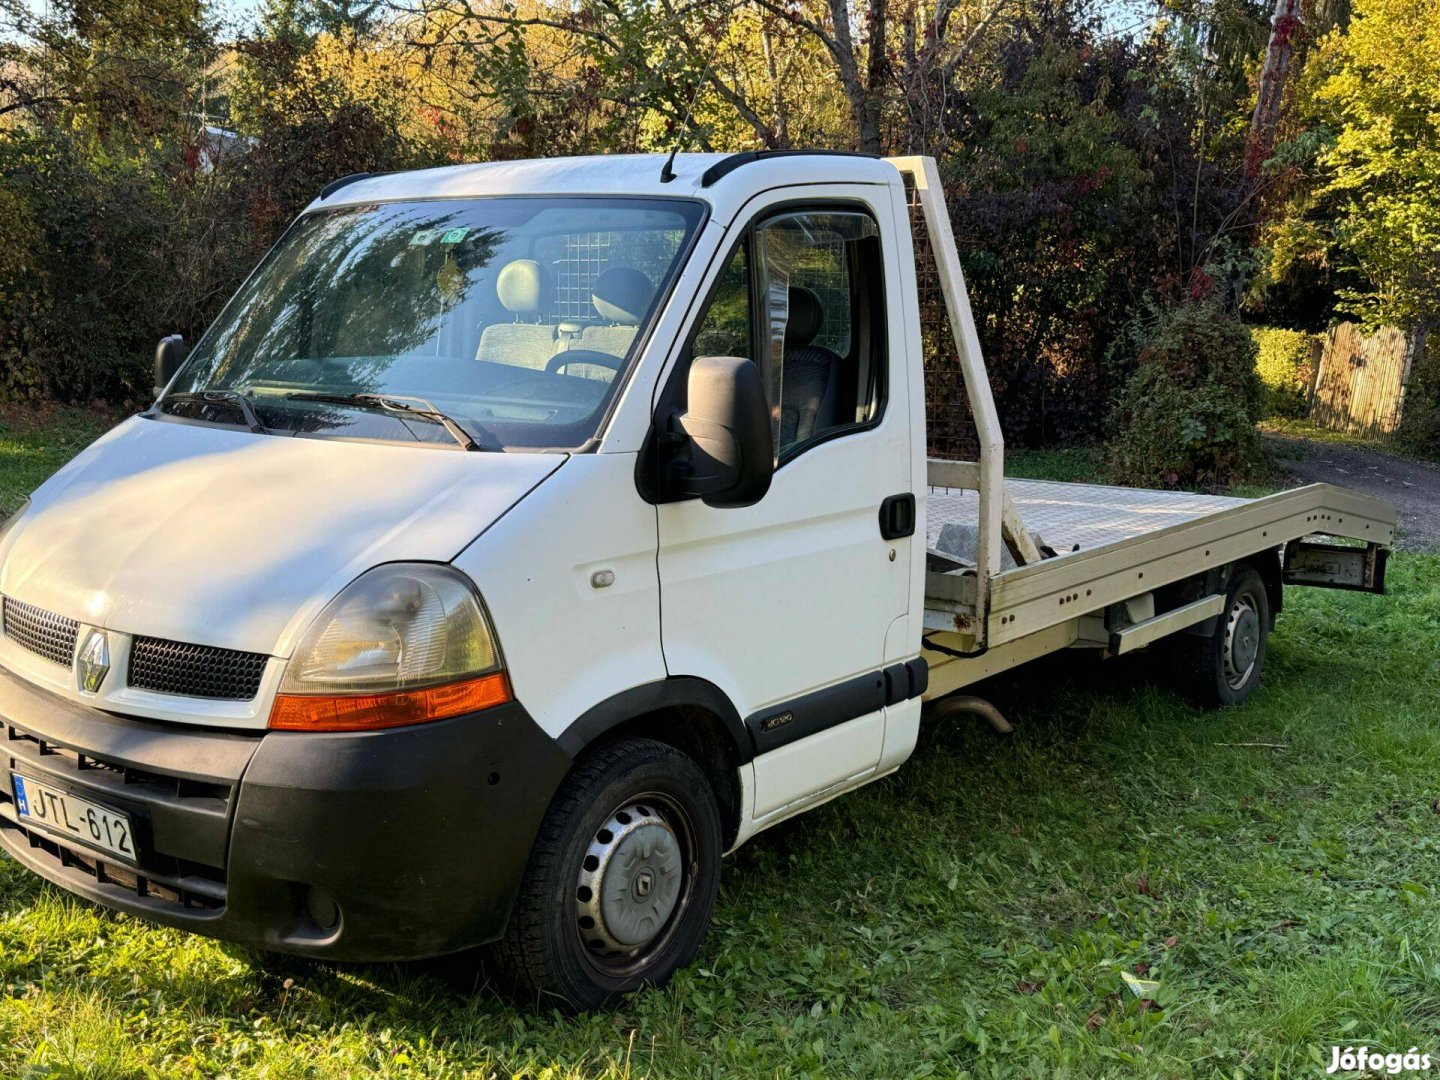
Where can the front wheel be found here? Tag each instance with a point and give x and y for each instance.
(622, 878)
(1224, 667)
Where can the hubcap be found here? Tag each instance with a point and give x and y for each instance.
(1242, 640)
(632, 880)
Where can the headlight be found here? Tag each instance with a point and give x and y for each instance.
(401, 644)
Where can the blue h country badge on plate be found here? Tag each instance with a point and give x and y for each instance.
(22, 801)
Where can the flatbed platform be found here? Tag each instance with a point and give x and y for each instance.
(1112, 543)
(1066, 517)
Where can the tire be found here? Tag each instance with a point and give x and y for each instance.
(1224, 668)
(621, 880)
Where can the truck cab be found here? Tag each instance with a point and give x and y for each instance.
(523, 537)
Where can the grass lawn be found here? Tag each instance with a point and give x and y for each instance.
(1273, 868)
(33, 444)
(1288, 427)
(1283, 428)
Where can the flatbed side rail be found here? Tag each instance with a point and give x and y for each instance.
(1032, 598)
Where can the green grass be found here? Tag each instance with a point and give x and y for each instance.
(1306, 429)
(972, 914)
(1086, 465)
(34, 443)
(1399, 444)
(1072, 464)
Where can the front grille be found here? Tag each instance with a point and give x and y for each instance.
(43, 633)
(22, 745)
(202, 671)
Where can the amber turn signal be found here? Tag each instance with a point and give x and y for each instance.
(373, 712)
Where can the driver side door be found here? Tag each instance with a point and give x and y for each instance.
(786, 604)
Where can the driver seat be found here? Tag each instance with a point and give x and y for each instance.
(621, 296)
(809, 387)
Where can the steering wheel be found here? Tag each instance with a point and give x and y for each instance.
(583, 356)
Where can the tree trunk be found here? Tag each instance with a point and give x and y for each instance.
(877, 79)
(1284, 27)
(777, 98)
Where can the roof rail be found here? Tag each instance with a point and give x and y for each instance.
(723, 168)
(335, 185)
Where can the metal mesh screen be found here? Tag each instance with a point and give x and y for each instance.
(950, 430)
(585, 257)
(577, 259)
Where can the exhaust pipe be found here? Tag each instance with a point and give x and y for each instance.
(968, 705)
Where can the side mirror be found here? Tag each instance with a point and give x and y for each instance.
(169, 355)
(726, 426)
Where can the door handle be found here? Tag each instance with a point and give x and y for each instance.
(897, 516)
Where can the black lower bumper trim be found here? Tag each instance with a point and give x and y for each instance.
(372, 846)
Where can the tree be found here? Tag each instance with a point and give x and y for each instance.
(891, 65)
(1081, 195)
(1369, 200)
(1285, 27)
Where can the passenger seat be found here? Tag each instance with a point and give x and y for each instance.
(526, 290)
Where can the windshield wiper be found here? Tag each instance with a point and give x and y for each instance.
(404, 404)
(219, 397)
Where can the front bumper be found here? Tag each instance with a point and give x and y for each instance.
(387, 845)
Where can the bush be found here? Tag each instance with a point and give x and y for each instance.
(1285, 362)
(82, 232)
(1186, 416)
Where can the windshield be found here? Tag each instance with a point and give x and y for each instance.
(516, 317)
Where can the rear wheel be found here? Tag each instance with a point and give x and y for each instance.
(1224, 667)
(622, 878)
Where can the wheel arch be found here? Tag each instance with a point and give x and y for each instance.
(1267, 564)
(691, 714)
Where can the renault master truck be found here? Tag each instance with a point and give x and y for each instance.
(523, 537)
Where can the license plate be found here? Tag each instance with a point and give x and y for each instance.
(58, 812)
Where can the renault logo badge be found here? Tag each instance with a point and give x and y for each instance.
(93, 663)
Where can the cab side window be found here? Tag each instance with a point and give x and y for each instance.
(801, 297)
(728, 325)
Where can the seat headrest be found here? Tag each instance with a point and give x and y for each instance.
(524, 287)
(806, 318)
(622, 294)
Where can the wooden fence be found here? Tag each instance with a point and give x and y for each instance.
(1360, 380)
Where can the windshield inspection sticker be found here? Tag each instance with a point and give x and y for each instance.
(422, 237)
(454, 236)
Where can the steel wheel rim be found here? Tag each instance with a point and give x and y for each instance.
(1243, 635)
(635, 882)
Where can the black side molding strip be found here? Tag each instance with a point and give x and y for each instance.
(722, 169)
(819, 710)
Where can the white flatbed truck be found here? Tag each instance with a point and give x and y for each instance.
(523, 537)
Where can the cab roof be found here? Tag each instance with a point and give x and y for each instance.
(732, 178)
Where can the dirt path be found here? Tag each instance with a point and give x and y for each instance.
(1413, 487)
